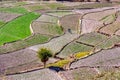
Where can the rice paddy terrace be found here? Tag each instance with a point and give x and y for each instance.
(84, 39)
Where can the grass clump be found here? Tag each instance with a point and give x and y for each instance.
(60, 63)
(81, 54)
(17, 29)
(19, 10)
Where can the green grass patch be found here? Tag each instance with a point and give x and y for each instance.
(17, 29)
(33, 40)
(60, 63)
(55, 29)
(19, 10)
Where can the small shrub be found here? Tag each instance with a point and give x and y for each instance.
(44, 55)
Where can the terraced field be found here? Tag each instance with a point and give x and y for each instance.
(85, 42)
(46, 28)
(14, 30)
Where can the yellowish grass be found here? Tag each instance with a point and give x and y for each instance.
(60, 63)
(82, 54)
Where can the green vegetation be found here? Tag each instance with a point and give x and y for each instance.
(60, 63)
(19, 10)
(108, 43)
(47, 28)
(55, 29)
(44, 54)
(1, 23)
(74, 48)
(33, 40)
(17, 29)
